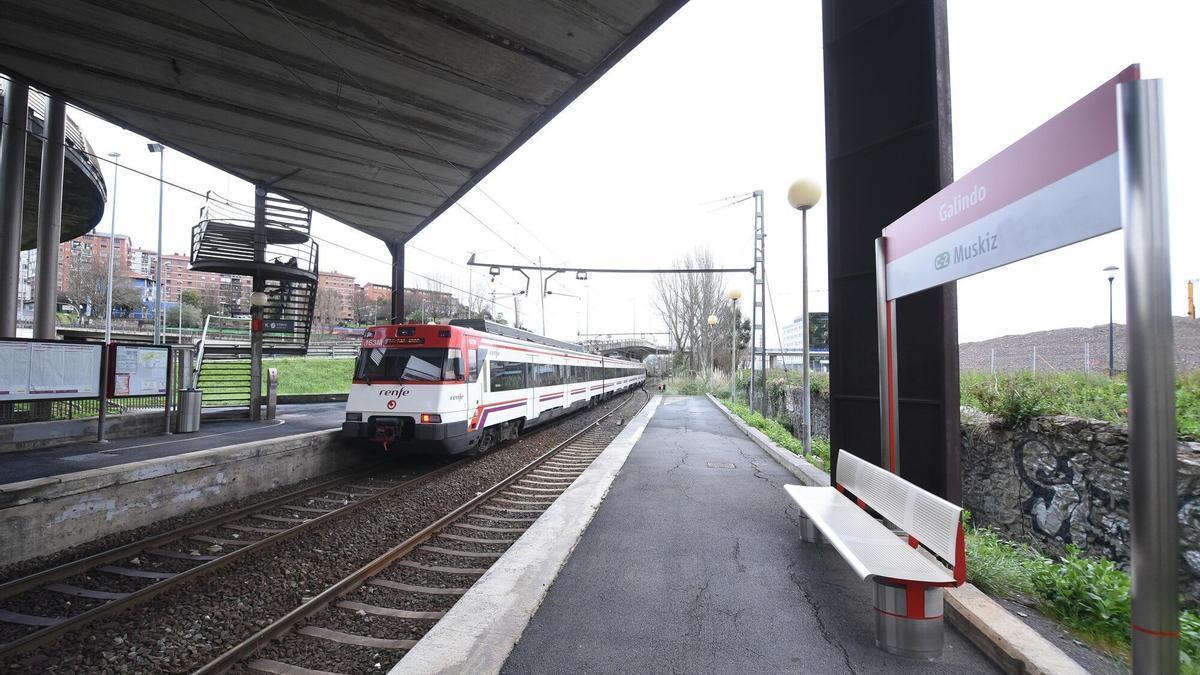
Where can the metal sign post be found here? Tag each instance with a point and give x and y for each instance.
(889, 409)
(1096, 167)
(1153, 523)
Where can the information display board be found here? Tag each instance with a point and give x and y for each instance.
(48, 370)
(138, 370)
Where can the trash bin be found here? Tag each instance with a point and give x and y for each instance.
(188, 414)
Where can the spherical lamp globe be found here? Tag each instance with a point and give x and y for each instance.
(712, 319)
(735, 294)
(804, 194)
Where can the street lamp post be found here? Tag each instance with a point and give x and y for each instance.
(803, 195)
(712, 324)
(1111, 271)
(112, 247)
(734, 296)
(159, 323)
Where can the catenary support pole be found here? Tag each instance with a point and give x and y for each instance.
(396, 248)
(50, 194)
(12, 199)
(889, 408)
(1153, 526)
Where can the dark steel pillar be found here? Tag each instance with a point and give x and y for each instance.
(12, 199)
(258, 285)
(397, 250)
(50, 194)
(887, 139)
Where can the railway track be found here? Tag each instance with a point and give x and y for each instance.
(109, 582)
(372, 616)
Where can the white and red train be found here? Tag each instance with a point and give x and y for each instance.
(469, 385)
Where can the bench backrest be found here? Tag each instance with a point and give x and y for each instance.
(928, 518)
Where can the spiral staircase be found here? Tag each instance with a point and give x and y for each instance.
(223, 242)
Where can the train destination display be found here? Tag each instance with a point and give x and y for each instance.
(45, 370)
(138, 371)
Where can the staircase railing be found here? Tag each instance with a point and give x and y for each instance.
(202, 345)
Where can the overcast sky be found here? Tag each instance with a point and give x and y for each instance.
(726, 98)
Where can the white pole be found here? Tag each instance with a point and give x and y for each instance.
(1035, 358)
(1087, 358)
(159, 321)
(804, 305)
(112, 246)
(993, 360)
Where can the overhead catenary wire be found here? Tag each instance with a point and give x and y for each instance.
(383, 104)
(237, 206)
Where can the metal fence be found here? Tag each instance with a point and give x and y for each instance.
(21, 412)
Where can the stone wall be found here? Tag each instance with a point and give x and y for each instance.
(818, 409)
(1065, 480)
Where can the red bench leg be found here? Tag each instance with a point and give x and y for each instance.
(908, 619)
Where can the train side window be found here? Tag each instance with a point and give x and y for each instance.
(478, 356)
(506, 375)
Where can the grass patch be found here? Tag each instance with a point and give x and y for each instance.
(1088, 596)
(781, 436)
(312, 376)
(1017, 398)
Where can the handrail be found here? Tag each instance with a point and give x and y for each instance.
(204, 342)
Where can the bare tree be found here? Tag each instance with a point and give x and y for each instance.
(328, 308)
(685, 301)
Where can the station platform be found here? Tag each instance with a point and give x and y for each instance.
(290, 420)
(693, 563)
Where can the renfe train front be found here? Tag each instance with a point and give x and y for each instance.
(470, 385)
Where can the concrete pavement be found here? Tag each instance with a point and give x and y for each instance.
(693, 563)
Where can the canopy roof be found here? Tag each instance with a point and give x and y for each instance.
(377, 114)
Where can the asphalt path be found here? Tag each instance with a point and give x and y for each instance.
(693, 564)
(289, 421)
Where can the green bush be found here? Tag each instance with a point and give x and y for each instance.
(1000, 567)
(1017, 398)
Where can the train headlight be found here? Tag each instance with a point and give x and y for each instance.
(431, 418)
(353, 417)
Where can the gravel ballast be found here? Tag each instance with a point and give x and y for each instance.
(186, 627)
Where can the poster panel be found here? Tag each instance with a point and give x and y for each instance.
(63, 370)
(138, 370)
(14, 370)
(1057, 185)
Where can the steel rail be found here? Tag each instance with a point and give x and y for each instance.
(317, 604)
(49, 633)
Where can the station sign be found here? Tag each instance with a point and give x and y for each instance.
(279, 325)
(1058, 185)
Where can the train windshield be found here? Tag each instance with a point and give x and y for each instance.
(407, 365)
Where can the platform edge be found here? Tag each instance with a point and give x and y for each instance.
(480, 631)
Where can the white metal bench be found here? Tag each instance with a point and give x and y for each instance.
(908, 580)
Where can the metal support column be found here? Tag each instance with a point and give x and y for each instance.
(397, 250)
(807, 332)
(50, 193)
(1153, 519)
(12, 199)
(758, 322)
(256, 310)
(889, 408)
